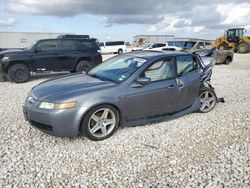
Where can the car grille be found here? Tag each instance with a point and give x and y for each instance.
(41, 126)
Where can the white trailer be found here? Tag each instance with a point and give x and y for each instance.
(22, 39)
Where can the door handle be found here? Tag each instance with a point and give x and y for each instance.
(180, 85)
(171, 86)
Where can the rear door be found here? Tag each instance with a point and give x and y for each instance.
(188, 81)
(68, 51)
(156, 98)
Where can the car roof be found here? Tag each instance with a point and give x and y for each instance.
(65, 39)
(151, 54)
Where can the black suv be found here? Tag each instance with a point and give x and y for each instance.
(63, 54)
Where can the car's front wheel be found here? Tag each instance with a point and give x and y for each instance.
(100, 122)
(19, 73)
(208, 99)
(83, 66)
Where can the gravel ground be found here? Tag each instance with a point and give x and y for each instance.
(197, 150)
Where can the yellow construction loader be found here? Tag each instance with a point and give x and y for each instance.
(235, 40)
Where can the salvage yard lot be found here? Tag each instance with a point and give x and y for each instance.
(210, 149)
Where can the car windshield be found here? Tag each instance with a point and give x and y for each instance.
(31, 45)
(117, 69)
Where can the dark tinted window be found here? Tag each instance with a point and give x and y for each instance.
(115, 43)
(88, 45)
(200, 45)
(171, 43)
(50, 45)
(101, 44)
(185, 44)
(161, 45)
(185, 64)
(160, 70)
(68, 45)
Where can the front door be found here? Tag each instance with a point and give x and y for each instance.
(46, 56)
(156, 98)
(188, 81)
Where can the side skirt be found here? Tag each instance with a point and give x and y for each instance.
(195, 107)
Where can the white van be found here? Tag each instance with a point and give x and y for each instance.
(113, 47)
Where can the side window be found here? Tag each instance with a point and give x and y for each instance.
(185, 64)
(154, 46)
(115, 43)
(160, 70)
(45, 46)
(161, 45)
(88, 45)
(200, 45)
(101, 44)
(68, 45)
(109, 44)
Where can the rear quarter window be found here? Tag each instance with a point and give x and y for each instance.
(88, 45)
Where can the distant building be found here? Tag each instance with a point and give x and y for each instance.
(23, 39)
(143, 39)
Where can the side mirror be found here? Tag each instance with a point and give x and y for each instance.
(36, 50)
(143, 81)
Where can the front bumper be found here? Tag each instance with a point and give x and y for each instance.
(62, 123)
(2, 74)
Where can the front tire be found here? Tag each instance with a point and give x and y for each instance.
(208, 99)
(243, 48)
(100, 122)
(19, 73)
(83, 66)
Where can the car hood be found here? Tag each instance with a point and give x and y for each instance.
(13, 51)
(80, 83)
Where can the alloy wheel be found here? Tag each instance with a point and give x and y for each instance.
(208, 101)
(102, 122)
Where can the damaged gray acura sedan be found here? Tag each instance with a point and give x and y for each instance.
(130, 89)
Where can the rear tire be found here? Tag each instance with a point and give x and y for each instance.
(100, 122)
(208, 99)
(243, 48)
(83, 66)
(120, 51)
(19, 73)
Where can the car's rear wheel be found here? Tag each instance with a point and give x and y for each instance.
(100, 122)
(120, 51)
(83, 66)
(19, 73)
(208, 99)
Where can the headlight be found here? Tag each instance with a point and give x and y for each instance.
(57, 106)
(5, 58)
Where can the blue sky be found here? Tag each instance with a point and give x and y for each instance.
(121, 20)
